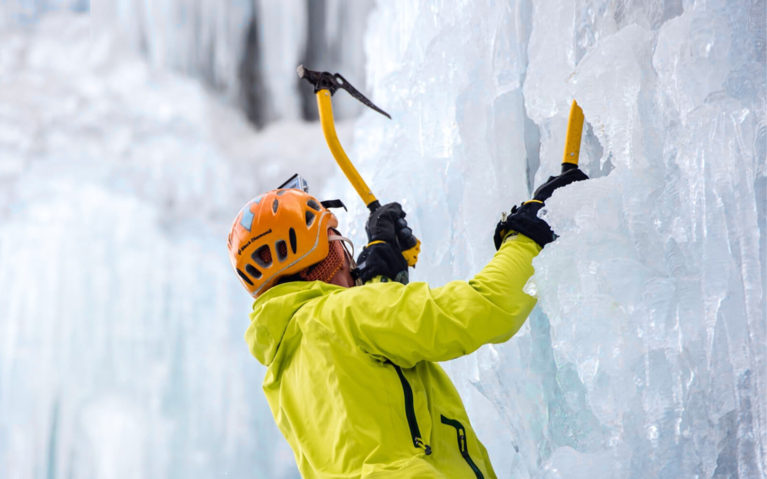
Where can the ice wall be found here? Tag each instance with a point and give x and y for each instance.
(248, 50)
(121, 323)
(121, 350)
(646, 355)
(244, 50)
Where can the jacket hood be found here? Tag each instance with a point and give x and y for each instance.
(272, 312)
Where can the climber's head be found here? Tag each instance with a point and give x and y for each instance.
(286, 234)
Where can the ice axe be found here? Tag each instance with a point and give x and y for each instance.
(521, 216)
(573, 139)
(570, 157)
(325, 85)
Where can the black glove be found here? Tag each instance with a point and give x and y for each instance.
(524, 219)
(388, 235)
(380, 259)
(388, 224)
(545, 190)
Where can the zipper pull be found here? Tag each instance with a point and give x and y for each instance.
(461, 440)
(420, 444)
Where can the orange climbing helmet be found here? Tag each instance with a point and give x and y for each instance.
(278, 234)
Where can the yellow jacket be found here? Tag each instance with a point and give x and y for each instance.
(352, 378)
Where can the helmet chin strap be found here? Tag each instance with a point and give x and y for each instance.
(347, 244)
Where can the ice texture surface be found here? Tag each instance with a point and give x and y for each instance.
(646, 354)
(121, 323)
(247, 50)
(244, 50)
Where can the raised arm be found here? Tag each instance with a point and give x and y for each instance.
(411, 323)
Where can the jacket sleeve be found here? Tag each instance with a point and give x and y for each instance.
(411, 323)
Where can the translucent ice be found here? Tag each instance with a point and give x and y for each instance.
(646, 355)
(121, 351)
(121, 324)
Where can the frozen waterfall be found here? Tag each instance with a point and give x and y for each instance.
(125, 152)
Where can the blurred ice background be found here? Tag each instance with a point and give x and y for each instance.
(131, 132)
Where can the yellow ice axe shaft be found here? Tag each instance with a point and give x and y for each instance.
(573, 140)
(325, 106)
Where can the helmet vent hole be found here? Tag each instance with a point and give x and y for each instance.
(275, 205)
(245, 277)
(252, 271)
(262, 256)
(282, 250)
(292, 238)
(310, 218)
(313, 205)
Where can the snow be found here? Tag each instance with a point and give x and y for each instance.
(121, 323)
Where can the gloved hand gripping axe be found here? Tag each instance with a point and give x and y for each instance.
(325, 85)
(524, 219)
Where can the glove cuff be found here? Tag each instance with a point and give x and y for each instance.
(533, 227)
(524, 220)
(380, 259)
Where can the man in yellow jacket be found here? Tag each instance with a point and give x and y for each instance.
(352, 379)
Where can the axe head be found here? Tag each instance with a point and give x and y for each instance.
(332, 82)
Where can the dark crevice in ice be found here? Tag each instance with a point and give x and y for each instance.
(591, 147)
(532, 133)
(532, 148)
(318, 54)
(53, 436)
(252, 90)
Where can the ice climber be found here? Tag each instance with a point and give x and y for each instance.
(352, 376)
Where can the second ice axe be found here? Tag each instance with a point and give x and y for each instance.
(325, 85)
(573, 139)
(572, 150)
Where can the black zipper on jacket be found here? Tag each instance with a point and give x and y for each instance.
(415, 433)
(461, 431)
